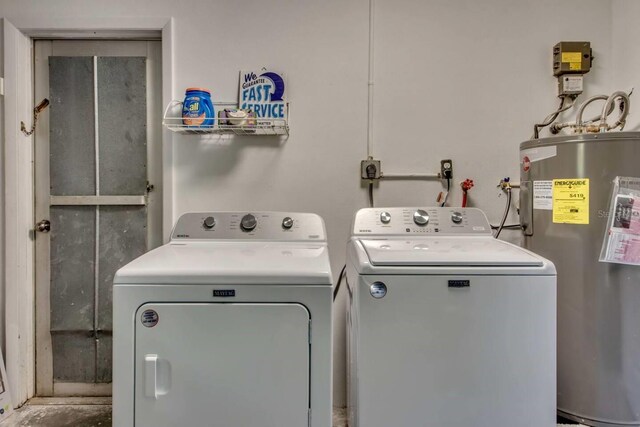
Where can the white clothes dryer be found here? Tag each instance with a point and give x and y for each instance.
(448, 327)
(228, 325)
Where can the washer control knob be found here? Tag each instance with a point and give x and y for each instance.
(421, 217)
(385, 217)
(287, 223)
(209, 222)
(456, 217)
(248, 222)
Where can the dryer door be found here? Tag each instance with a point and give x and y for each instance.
(222, 365)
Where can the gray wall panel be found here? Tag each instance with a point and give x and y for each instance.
(72, 128)
(74, 357)
(122, 111)
(104, 358)
(72, 267)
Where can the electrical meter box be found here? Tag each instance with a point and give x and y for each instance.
(572, 58)
(570, 84)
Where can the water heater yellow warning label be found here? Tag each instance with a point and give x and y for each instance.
(571, 201)
(571, 56)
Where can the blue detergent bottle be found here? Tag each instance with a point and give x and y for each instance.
(197, 108)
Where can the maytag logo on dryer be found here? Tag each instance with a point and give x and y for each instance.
(224, 293)
(459, 283)
(363, 230)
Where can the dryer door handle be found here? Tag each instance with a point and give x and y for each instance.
(151, 375)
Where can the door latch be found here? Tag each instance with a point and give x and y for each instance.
(43, 226)
(36, 111)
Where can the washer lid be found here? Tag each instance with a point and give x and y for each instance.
(447, 251)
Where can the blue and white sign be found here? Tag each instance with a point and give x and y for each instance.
(264, 93)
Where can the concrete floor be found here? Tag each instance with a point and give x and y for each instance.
(56, 413)
(71, 412)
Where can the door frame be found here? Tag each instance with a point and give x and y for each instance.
(18, 242)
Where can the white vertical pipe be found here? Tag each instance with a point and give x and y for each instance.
(96, 136)
(96, 271)
(370, 83)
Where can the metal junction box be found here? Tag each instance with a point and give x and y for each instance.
(572, 58)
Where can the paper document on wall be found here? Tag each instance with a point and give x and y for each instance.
(622, 238)
(6, 408)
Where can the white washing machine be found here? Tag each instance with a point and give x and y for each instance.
(448, 327)
(228, 325)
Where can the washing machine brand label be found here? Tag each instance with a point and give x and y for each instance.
(224, 292)
(571, 201)
(459, 283)
(149, 318)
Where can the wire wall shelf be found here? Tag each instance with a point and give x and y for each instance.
(173, 121)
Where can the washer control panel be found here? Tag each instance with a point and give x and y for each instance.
(420, 221)
(249, 226)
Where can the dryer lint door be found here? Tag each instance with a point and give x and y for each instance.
(222, 365)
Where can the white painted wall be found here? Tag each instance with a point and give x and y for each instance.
(626, 54)
(470, 78)
(453, 79)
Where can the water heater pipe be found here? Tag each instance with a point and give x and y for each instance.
(579, 123)
(410, 176)
(604, 126)
(551, 117)
(607, 109)
(506, 212)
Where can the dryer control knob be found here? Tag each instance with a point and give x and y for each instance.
(456, 217)
(248, 222)
(209, 222)
(385, 217)
(421, 217)
(287, 223)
